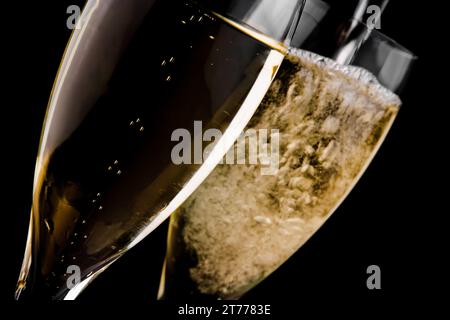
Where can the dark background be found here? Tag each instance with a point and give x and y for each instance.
(386, 220)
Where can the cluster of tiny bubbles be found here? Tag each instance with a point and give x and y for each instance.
(137, 125)
(166, 63)
(97, 199)
(193, 19)
(114, 167)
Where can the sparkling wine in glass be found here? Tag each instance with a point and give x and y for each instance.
(133, 73)
(240, 225)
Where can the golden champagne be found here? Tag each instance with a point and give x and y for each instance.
(239, 225)
(105, 178)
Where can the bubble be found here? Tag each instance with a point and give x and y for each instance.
(262, 219)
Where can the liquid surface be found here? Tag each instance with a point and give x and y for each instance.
(240, 226)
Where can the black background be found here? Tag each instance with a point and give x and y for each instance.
(386, 220)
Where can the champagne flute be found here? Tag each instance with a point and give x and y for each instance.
(133, 73)
(326, 25)
(239, 226)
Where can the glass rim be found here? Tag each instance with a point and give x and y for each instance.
(284, 37)
(388, 39)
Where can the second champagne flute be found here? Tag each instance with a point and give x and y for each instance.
(240, 225)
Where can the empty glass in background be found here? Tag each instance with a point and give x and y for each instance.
(348, 34)
(327, 25)
(134, 72)
(238, 226)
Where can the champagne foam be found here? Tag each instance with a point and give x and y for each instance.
(242, 225)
